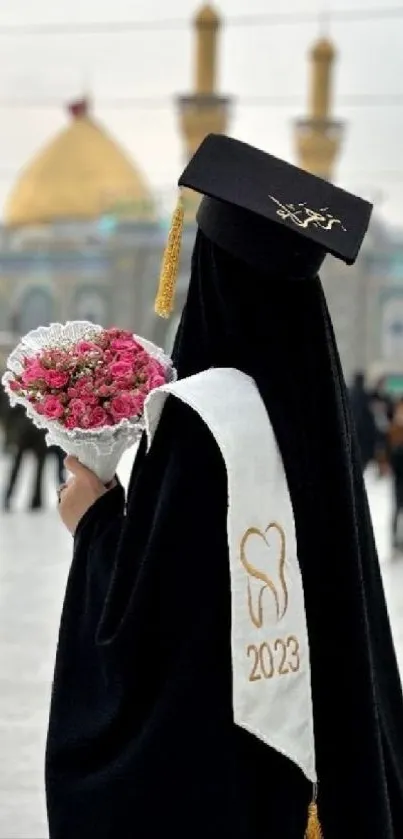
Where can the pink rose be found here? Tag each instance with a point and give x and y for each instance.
(52, 407)
(153, 368)
(89, 398)
(31, 361)
(83, 347)
(84, 421)
(121, 369)
(156, 381)
(137, 403)
(121, 407)
(73, 393)
(56, 379)
(126, 405)
(84, 383)
(14, 385)
(126, 355)
(97, 417)
(77, 408)
(34, 373)
(103, 390)
(124, 344)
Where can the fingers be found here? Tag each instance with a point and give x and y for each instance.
(82, 473)
(60, 490)
(71, 463)
(77, 469)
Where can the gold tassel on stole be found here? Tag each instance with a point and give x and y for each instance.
(313, 829)
(165, 300)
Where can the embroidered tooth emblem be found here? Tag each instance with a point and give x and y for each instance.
(273, 538)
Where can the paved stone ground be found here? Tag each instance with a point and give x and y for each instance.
(34, 560)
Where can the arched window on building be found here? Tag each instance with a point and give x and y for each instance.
(35, 308)
(91, 303)
(4, 312)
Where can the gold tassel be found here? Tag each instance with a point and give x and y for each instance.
(164, 302)
(313, 829)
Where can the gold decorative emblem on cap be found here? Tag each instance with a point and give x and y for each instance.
(303, 216)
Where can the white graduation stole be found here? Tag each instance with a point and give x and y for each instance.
(272, 696)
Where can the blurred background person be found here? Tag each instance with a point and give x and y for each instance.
(363, 418)
(382, 408)
(395, 440)
(21, 438)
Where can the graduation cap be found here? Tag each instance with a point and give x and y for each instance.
(252, 200)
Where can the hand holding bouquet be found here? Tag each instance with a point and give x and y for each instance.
(87, 386)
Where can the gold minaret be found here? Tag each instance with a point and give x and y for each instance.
(203, 111)
(318, 137)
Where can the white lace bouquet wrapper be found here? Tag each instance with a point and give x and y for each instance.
(100, 449)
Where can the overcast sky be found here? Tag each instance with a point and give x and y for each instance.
(254, 61)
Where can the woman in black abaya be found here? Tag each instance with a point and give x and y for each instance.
(141, 738)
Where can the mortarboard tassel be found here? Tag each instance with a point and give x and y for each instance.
(313, 828)
(164, 302)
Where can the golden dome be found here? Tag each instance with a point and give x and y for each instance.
(81, 174)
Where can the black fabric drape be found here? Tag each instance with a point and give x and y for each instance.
(280, 333)
(141, 740)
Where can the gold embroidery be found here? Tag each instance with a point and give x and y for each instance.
(267, 674)
(254, 676)
(302, 216)
(283, 665)
(295, 653)
(281, 657)
(258, 619)
(283, 669)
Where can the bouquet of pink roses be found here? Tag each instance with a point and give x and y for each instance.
(87, 386)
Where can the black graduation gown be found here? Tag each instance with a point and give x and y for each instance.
(141, 741)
